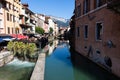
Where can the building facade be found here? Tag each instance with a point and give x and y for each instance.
(11, 17)
(2, 7)
(56, 29)
(40, 20)
(27, 19)
(97, 30)
(52, 25)
(72, 32)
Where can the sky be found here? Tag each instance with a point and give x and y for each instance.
(58, 8)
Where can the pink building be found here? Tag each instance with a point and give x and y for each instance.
(97, 29)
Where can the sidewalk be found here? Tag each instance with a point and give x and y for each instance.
(38, 72)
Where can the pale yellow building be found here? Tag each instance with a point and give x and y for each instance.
(11, 18)
(2, 8)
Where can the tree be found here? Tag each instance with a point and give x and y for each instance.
(51, 30)
(39, 30)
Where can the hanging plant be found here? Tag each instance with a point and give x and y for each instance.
(21, 49)
(10, 46)
(31, 47)
(15, 47)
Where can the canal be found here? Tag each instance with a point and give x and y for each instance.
(60, 66)
(17, 70)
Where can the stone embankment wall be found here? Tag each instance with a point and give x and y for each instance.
(38, 72)
(5, 57)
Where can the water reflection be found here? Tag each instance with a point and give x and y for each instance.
(52, 46)
(62, 65)
(87, 70)
(16, 70)
(58, 66)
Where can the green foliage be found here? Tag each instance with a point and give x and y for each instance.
(31, 47)
(10, 46)
(39, 30)
(51, 30)
(21, 49)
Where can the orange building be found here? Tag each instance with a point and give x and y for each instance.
(97, 26)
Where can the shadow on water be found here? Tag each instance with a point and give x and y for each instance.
(87, 70)
(64, 64)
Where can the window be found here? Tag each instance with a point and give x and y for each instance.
(0, 23)
(12, 30)
(86, 6)
(13, 18)
(8, 30)
(98, 52)
(99, 31)
(99, 3)
(78, 31)
(78, 11)
(0, 8)
(86, 31)
(13, 7)
(9, 6)
(8, 16)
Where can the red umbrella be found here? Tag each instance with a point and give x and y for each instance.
(19, 36)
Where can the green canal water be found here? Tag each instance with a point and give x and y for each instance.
(59, 66)
(16, 70)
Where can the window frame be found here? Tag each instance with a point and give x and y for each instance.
(78, 31)
(96, 29)
(0, 23)
(8, 17)
(86, 36)
(1, 8)
(11, 17)
(8, 30)
(78, 10)
(86, 6)
(99, 3)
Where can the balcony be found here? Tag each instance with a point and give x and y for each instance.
(114, 5)
(25, 24)
(22, 12)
